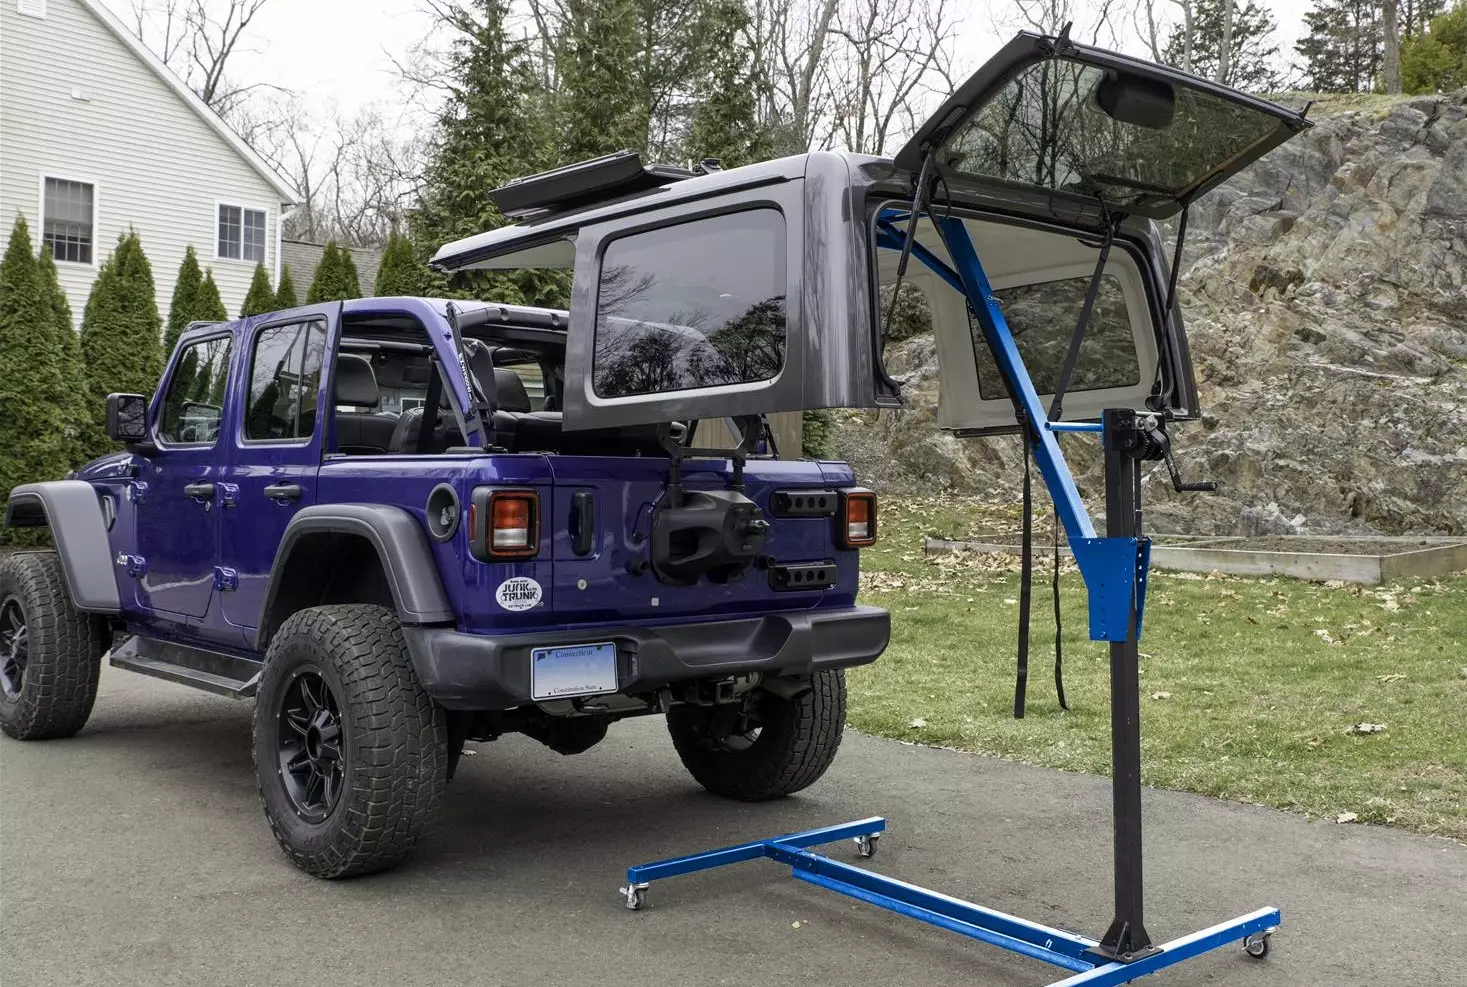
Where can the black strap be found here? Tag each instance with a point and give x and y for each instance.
(429, 423)
(1026, 583)
(1059, 647)
(1072, 356)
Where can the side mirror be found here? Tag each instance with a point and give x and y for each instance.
(127, 418)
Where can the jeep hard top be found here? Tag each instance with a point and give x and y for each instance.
(401, 524)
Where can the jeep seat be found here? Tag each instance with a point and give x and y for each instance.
(362, 432)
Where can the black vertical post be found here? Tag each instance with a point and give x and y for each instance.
(1126, 939)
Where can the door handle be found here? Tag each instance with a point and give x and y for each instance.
(583, 522)
(283, 492)
(203, 492)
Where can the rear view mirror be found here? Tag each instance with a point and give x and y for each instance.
(127, 418)
(1136, 100)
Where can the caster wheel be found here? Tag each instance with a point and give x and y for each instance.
(866, 845)
(634, 896)
(1257, 946)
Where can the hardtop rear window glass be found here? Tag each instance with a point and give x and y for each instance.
(698, 304)
(285, 380)
(1042, 319)
(1046, 127)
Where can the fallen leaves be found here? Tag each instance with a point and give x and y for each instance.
(917, 723)
(1392, 677)
(1365, 728)
(1346, 817)
(1161, 695)
(1326, 636)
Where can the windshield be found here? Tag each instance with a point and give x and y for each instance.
(1063, 124)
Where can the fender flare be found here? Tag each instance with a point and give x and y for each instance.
(71, 510)
(401, 545)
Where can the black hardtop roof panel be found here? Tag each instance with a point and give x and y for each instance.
(539, 240)
(1089, 124)
(583, 184)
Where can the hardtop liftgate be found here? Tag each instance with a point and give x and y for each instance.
(1082, 128)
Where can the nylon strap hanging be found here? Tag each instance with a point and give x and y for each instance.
(1059, 647)
(1072, 355)
(428, 424)
(1026, 579)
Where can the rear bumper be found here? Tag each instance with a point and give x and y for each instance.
(473, 671)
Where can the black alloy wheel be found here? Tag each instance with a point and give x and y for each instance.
(14, 649)
(309, 746)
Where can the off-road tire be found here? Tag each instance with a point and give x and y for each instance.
(798, 739)
(394, 741)
(63, 651)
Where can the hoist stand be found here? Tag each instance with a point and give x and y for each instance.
(1114, 568)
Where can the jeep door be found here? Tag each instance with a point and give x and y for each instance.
(274, 448)
(1049, 154)
(176, 493)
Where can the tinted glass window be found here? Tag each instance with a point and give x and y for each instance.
(1048, 127)
(285, 380)
(1042, 318)
(193, 403)
(694, 305)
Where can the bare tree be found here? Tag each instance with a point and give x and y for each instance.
(891, 54)
(1225, 53)
(1154, 25)
(1391, 63)
(196, 39)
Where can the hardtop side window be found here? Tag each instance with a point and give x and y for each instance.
(1042, 317)
(696, 304)
(285, 381)
(193, 404)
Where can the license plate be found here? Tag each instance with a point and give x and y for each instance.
(577, 670)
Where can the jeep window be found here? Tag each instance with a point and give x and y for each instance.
(698, 304)
(1047, 127)
(195, 396)
(1042, 318)
(285, 379)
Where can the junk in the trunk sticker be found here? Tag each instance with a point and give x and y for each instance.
(518, 593)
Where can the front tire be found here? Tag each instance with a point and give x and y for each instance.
(350, 752)
(50, 654)
(768, 748)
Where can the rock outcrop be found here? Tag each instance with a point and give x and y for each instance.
(1325, 293)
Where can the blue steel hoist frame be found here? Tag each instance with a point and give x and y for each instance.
(1114, 567)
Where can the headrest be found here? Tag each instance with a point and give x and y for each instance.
(356, 384)
(510, 393)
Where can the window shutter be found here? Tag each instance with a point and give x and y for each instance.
(35, 8)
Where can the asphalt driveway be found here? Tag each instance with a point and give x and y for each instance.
(136, 853)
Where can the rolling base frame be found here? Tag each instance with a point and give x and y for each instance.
(1080, 955)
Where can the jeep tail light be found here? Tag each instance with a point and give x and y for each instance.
(504, 524)
(857, 519)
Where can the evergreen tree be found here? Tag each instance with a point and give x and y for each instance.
(336, 277)
(261, 297)
(1342, 51)
(120, 336)
(1254, 57)
(606, 104)
(210, 306)
(1436, 61)
(73, 370)
(725, 121)
(493, 128)
(351, 283)
(32, 413)
(285, 296)
(181, 310)
(401, 273)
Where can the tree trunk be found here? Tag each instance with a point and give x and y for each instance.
(1225, 56)
(1391, 68)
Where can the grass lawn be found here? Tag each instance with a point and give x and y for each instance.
(1250, 687)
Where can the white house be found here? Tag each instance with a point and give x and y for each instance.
(98, 135)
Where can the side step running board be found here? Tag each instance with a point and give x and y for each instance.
(211, 671)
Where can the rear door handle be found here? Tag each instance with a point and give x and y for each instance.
(583, 522)
(283, 492)
(203, 492)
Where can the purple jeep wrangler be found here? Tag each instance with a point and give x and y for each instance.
(401, 524)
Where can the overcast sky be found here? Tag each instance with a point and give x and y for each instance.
(342, 51)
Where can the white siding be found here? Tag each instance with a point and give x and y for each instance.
(157, 165)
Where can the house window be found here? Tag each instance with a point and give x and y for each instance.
(67, 219)
(241, 233)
